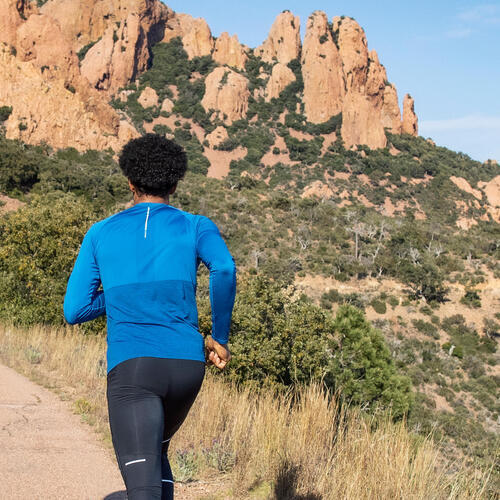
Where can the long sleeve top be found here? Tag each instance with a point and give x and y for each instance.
(146, 260)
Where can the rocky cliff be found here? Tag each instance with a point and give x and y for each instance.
(94, 48)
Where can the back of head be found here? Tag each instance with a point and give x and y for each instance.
(153, 164)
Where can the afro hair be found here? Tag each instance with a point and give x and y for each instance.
(153, 164)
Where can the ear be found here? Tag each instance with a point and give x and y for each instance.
(172, 189)
(131, 186)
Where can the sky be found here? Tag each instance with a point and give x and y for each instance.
(444, 53)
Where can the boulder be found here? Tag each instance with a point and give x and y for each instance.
(195, 34)
(218, 136)
(281, 77)
(167, 105)
(226, 93)
(148, 98)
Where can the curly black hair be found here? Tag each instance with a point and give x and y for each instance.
(153, 164)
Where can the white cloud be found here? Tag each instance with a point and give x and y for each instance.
(476, 135)
(471, 122)
(486, 13)
(459, 33)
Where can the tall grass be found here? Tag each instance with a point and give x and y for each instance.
(298, 445)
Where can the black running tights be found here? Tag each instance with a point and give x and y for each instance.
(148, 399)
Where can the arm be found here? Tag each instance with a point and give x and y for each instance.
(82, 301)
(213, 252)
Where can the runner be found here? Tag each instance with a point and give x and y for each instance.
(146, 258)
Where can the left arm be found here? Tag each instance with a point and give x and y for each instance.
(82, 301)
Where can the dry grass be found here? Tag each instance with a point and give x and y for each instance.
(299, 445)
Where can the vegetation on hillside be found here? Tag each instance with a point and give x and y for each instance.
(386, 214)
(276, 238)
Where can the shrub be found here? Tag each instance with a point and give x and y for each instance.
(83, 51)
(425, 280)
(5, 112)
(38, 246)
(379, 306)
(426, 328)
(278, 342)
(307, 152)
(471, 298)
(161, 129)
(19, 167)
(457, 350)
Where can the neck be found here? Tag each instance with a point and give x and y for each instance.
(150, 199)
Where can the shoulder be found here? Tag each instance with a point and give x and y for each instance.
(204, 224)
(200, 223)
(96, 228)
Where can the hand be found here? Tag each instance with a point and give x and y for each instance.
(217, 354)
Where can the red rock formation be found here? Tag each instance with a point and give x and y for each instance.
(410, 120)
(148, 98)
(195, 34)
(86, 21)
(12, 14)
(353, 50)
(229, 51)
(226, 93)
(283, 43)
(281, 77)
(322, 71)
(391, 116)
(371, 103)
(122, 52)
(49, 111)
(339, 73)
(41, 41)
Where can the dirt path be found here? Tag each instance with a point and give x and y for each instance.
(46, 452)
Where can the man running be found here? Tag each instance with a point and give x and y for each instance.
(146, 259)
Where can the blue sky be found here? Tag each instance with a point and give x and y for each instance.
(445, 53)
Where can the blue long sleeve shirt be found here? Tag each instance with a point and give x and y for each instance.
(146, 259)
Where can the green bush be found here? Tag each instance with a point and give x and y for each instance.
(277, 342)
(38, 246)
(83, 51)
(5, 112)
(363, 368)
(379, 306)
(161, 129)
(426, 328)
(305, 151)
(471, 298)
(19, 166)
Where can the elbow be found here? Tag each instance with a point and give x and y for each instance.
(70, 314)
(227, 270)
(71, 318)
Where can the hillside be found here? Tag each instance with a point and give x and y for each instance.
(430, 287)
(299, 152)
